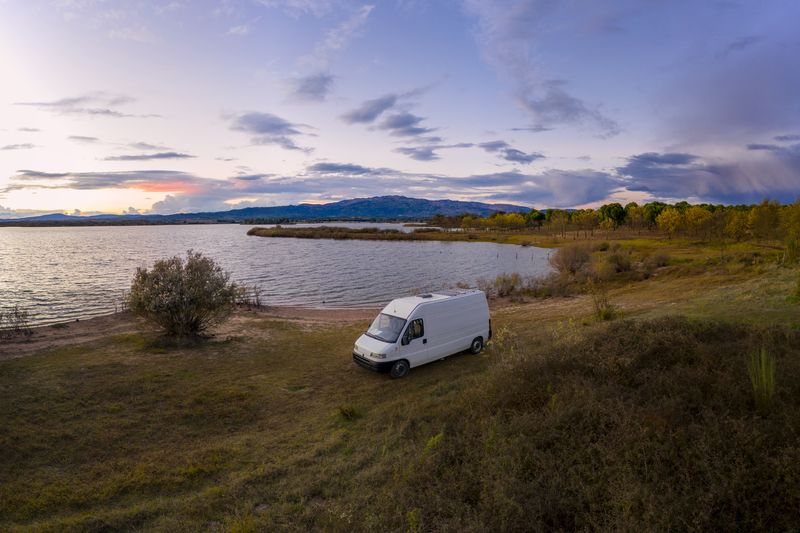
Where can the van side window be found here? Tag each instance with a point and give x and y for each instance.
(416, 329)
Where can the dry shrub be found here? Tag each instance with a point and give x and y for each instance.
(636, 426)
(184, 298)
(570, 259)
(501, 286)
(551, 286)
(14, 322)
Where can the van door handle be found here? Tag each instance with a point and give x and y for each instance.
(424, 341)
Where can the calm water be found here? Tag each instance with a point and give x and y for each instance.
(65, 273)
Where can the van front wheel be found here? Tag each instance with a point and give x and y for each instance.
(399, 369)
(477, 345)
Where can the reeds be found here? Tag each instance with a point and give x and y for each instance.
(761, 368)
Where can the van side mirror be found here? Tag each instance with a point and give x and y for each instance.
(405, 340)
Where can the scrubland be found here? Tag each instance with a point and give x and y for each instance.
(649, 418)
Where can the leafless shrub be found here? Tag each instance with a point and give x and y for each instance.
(14, 322)
(570, 259)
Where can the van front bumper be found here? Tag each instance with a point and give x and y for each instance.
(369, 364)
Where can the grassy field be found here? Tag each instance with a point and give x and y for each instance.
(564, 422)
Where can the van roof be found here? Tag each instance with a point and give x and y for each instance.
(403, 307)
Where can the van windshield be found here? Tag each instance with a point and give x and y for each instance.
(386, 328)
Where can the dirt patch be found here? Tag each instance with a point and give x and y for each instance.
(94, 329)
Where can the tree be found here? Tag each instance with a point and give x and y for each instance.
(670, 221)
(737, 226)
(614, 212)
(184, 298)
(652, 210)
(697, 219)
(634, 215)
(765, 220)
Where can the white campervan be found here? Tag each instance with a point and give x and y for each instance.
(416, 330)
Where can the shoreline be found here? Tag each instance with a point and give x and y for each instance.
(87, 330)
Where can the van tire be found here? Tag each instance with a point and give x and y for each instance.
(477, 345)
(399, 369)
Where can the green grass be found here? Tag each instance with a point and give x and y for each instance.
(564, 422)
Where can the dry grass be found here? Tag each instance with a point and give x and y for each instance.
(566, 423)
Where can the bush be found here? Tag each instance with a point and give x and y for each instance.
(603, 309)
(501, 286)
(619, 261)
(14, 323)
(185, 298)
(570, 259)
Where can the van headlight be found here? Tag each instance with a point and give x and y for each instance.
(378, 355)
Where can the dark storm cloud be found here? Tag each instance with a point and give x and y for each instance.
(83, 139)
(148, 157)
(768, 171)
(748, 96)
(312, 88)
(767, 147)
(266, 128)
(787, 138)
(552, 188)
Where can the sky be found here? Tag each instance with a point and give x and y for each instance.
(163, 107)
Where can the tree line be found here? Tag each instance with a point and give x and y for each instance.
(767, 221)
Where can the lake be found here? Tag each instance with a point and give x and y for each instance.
(64, 273)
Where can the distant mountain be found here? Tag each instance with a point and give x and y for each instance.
(376, 208)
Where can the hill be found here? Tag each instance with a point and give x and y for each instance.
(375, 208)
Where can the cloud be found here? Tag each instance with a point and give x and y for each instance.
(505, 151)
(317, 8)
(404, 124)
(29, 130)
(428, 152)
(748, 96)
(340, 168)
(787, 138)
(370, 110)
(9, 213)
(147, 146)
(312, 88)
(551, 188)
(552, 104)
(92, 104)
(240, 31)
(766, 171)
(537, 128)
(337, 38)
(739, 44)
(83, 139)
(508, 32)
(148, 157)
(267, 128)
(315, 87)
(23, 146)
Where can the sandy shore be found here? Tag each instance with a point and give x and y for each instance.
(93, 329)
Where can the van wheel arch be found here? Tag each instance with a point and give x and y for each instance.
(399, 369)
(476, 345)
